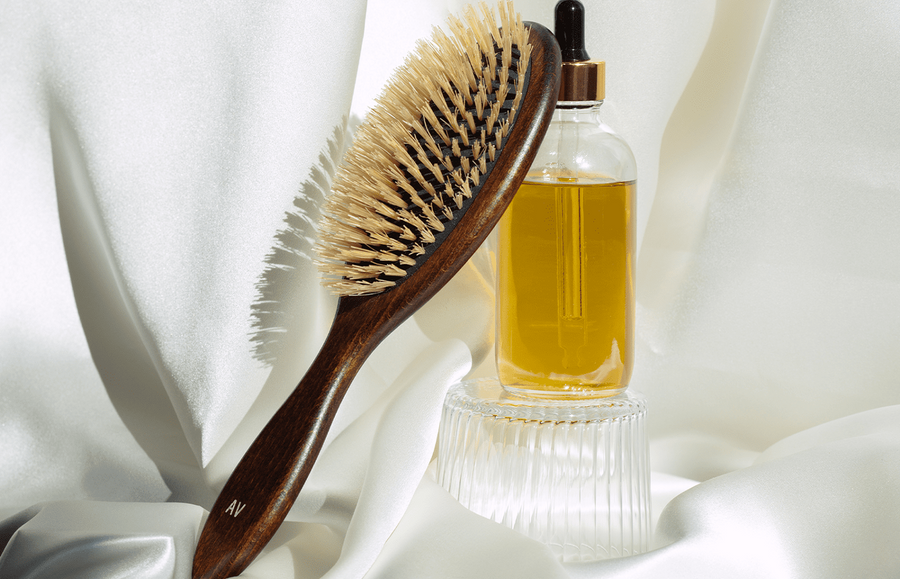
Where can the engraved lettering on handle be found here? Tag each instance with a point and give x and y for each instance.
(235, 508)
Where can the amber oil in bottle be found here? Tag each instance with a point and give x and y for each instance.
(566, 279)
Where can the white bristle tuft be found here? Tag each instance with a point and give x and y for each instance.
(423, 150)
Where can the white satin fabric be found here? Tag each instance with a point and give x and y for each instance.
(161, 168)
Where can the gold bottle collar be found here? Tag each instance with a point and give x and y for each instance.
(583, 81)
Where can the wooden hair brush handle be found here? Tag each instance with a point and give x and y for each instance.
(263, 487)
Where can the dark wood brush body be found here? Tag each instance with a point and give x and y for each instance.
(263, 487)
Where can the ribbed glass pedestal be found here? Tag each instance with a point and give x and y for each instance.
(573, 474)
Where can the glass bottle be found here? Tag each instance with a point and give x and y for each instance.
(565, 295)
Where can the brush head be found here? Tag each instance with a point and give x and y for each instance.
(424, 152)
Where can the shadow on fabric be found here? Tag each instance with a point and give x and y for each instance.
(290, 262)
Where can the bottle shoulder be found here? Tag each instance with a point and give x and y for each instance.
(578, 145)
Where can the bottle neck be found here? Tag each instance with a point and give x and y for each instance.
(575, 111)
(579, 106)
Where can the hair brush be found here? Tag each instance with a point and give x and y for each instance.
(428, 176)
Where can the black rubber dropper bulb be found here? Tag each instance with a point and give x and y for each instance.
(569, 30)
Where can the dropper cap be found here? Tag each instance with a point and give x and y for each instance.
(582, 79)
